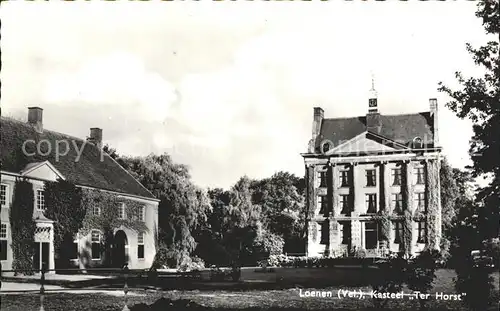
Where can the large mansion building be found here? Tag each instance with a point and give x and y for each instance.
(361, 167)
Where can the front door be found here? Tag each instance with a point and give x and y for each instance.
(120, 256)
(41, 255)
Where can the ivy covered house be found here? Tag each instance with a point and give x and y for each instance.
(373, 183)
(118, 219)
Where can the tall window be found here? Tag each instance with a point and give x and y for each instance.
(397, 202)
(324, 232)
(142, 213)
(40, 200)
(74, 248)
(322, 178)
(422, 232)
(96, 210)
(371, 203)
(370, 178)
(344, 178)
(3, 241)
(140, 245)
(396, 177)
(96, 244)
(344, 203)
(3, 195)
(323, 204)
(398, 228)
(121, 210)
(420, 173)
(345, 232)
(420, 201)
(371, 235)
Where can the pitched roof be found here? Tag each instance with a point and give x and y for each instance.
(89, 169)
(401, 128)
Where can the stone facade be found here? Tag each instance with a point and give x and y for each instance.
(380, 173)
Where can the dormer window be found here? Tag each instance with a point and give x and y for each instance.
(325, 147)
(417, 143)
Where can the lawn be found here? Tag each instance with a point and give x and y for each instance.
(284, 299)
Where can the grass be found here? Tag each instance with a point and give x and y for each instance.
(282, 299)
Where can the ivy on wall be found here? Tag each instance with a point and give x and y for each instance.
(63, 202)
(406, 191)
(432, 176)
(407, 232)
(22, 226)
(385, 224)
(108, 218)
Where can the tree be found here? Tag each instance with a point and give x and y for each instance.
(282, 199)
(478, 99)
(456, 193)
(183, 206)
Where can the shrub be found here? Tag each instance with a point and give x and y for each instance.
(421, 273)
(391, 278)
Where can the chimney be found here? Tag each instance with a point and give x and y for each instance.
(318, 116)
(35, 118)
(433, 105)
(95, 137)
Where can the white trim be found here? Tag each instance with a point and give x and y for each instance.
(40, 164)
(6, 230)
(36, 199)
(7, 196)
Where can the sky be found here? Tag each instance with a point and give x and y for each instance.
(228, 88)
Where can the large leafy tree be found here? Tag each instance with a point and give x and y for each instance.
(282, 200)
(478, 99)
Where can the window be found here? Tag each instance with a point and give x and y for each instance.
(371, 203)
(422, 232)
(370, 178)
(3, 195)
(121, 211)
(344, 178)
(420, 201)
(40, 200)
(371, 232)
(3, 241)
(396, 177)
(420, 173)
(345, 232)
(140, 245)
(324, 230)
(323, 204)
(74, 248)
(96, 210)
(96, 244)
(323, 178)
(397, 202)
(344, 203)
(398, 228)
(142, 213)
